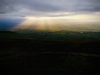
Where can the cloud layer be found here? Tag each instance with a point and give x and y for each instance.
(47, 7)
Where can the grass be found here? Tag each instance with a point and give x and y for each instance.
(25, 56)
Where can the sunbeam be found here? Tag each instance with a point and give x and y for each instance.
(75, 22)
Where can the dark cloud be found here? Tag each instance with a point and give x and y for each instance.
(40, 7)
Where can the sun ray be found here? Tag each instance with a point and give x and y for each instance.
(58, 23)
(41, 24)
(50, 25)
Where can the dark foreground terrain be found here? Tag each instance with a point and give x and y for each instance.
(25, 55)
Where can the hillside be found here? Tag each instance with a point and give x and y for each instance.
(24, 55)
(12, 35)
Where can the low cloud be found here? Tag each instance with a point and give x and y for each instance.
(48, 7)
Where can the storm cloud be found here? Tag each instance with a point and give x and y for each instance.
(47, 7)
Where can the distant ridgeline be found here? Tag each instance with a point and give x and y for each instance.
(11, 35)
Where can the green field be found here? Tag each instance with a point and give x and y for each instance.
(41, 53)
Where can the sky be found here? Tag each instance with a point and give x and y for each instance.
(72, 11)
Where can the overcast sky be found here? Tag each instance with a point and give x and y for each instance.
(48, 7)
(54, 14)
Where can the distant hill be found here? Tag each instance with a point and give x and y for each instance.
(12, 35)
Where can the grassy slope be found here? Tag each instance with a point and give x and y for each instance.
(20, 55)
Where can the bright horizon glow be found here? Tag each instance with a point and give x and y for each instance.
(73, 22)
(73, 17)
